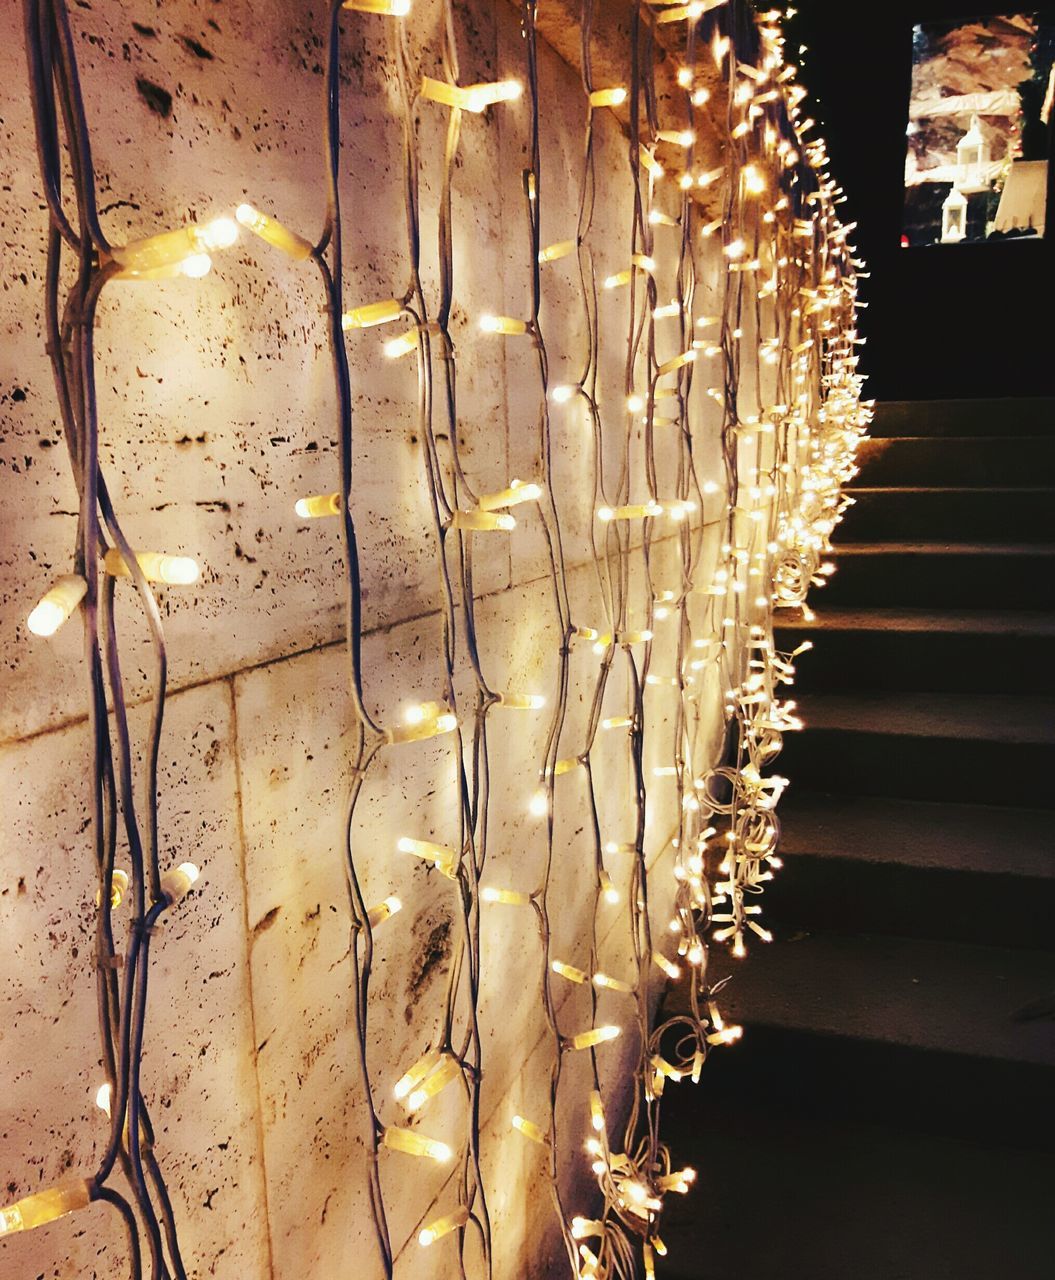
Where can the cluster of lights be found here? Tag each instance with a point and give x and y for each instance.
(783, 253)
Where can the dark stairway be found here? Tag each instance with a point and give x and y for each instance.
(890, 1111)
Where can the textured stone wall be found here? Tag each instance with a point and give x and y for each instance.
(216, 411)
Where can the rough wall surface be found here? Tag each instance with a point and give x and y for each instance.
(216, 407)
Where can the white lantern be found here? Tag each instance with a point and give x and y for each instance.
(972, 159)
(954, 217)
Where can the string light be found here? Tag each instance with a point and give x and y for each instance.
(785, 260)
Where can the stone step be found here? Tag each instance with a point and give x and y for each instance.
(994, 651)
(942, 575)
(1026, 415)
(960, 461)
(906, 514)
(958, 872)
(984, 748)
(789, 1194)
(925, 1033)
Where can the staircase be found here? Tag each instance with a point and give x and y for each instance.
(890, 1111)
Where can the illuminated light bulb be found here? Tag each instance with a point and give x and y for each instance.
(417, 1072)
(565, 766)
(664, 1068)
(383, 911)
(590, 1261)
(700, 97)
(583, 1228)
(483, 521)
(180, 252)
(102, 1098)
(118, 888)
(318, 506)
(616, 281)
(668, 312)
(636, 511)
(608, 97)
(447, 1070)
(473, 97)
(677, 137)
(538, 805)
(592, 1147)
(669, 681)
(596, 1111)
(676, 362)
(734, 249)
(720, 48)
(709, 228)
(440, 855)
(649, 163)
(44, 1206)
(273, 232)
(753, 180)
(388, 8)
(396, 348)
(657, 218)
(507, 897)
(659, 1246)
(522, 701)
(602, 644)
(741, 129)
(595, 1036)
(611, 984)
(635, 403)
(373, 313)
(178, 882)
(608, 890)
(518, 491)
(685, 77)
(414, 1144)
(562, 394)
(57, 604)
(643, 262)
(634, 637)
(556, 251)
(426, 720)
(155, 566)
(529, 1129)
(507, 325)
(569, 971)
(669, 968)
(617, 722)
(441, 1227)
(193, 267)
(686, 182)
(726, 1035)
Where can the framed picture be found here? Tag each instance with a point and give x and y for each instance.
(979, 129)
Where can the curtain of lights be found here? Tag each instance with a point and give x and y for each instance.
(773, 365)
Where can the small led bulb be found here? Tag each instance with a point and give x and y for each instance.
(155, 567)
(677, 137)
(538, 805)
(507, 325)
(177, 883)
(318, 506)
(440, 1227)
(483, 521)
(102, 1098)
(383, 911)
(508, 897)
(372, 313)
(608, 889)
(518, 491)
(569, 971)
(649, 163)
(474, 97)
(273, 232)
(596, 1111)
(554, 252)
(522, 701)
(671, 970)
(388, 8)
(595, 1036)
(611, 984)
(44, 1206)
(417, 1072)
(414, 1144)
(396, 348)
(447, 1070)
(563, 393)
(57, 604)
(440, 855)
(529, 1129)
(608, 97)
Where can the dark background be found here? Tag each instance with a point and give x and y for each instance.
(943, 321)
